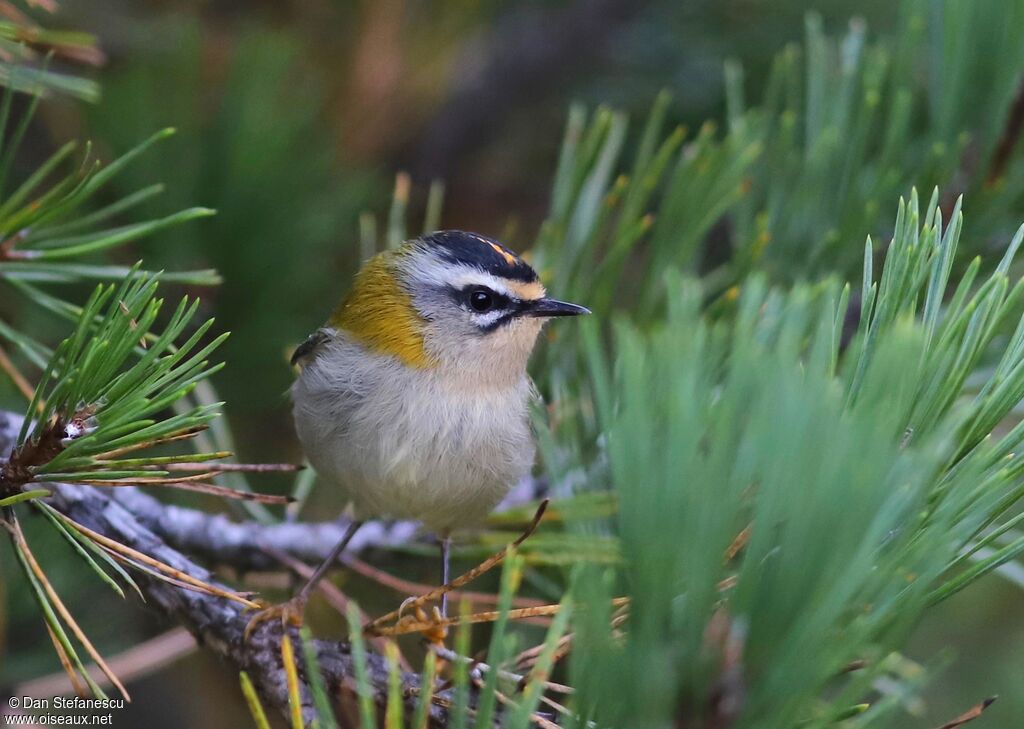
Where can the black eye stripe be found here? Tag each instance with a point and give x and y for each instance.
(507, 308)
(499, 322)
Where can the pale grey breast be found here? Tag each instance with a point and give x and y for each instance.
(410, 443)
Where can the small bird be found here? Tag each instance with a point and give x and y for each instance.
(414, 399)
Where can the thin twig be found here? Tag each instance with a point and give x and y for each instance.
(408, 587)
(411, 624)
(154, 573)
(231, 467)
(563, 710)
(970, 715)
(189, 483)
(165, 569)
(17, 378)
(527, 658)
(136, 662)
(506, 701)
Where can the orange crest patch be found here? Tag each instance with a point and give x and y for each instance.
(510, 258)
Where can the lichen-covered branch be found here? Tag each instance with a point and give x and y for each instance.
(248, 545)
(217, 623)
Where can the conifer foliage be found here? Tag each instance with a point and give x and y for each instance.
(791, 429)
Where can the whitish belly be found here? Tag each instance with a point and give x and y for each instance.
(444, 459)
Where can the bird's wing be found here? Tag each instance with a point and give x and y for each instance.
(537, 407)
(536, 399)
(308, 348)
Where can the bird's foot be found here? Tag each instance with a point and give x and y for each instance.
(435, 622)
(289, 613)
(437, 629)
(432, 625)
(406, 603)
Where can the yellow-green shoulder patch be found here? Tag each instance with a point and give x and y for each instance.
(380, 315)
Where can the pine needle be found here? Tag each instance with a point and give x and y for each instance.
(136, 557)
(65, 614)
(259, 717)
(291, 673)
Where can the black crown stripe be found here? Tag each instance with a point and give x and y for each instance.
(485, 253)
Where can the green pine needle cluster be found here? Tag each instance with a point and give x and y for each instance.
(99, 397)
(29, 51)
(52, 219)
(43, 224)
(864, 479)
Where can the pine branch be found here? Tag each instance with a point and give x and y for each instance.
(248, 545)
(217, 623)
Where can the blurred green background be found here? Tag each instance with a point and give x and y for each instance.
(293, 118)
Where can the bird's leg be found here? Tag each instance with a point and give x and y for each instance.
(291, 612)
(376, 627)
(437, 631)
(445, 541)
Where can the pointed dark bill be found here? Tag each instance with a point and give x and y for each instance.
(553, 307)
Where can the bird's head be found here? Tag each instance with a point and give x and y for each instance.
(451, 299)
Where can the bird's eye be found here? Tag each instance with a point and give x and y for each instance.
(481, 299)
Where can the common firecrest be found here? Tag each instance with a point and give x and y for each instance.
(413, 400)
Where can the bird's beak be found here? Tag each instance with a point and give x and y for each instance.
(552, 307)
